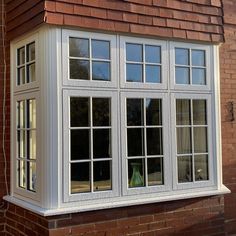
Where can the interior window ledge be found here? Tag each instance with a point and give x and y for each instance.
(118, 202)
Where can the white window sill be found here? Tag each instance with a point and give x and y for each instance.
(118, 202)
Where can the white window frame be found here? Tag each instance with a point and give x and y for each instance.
(210, 142)
(20, 192)
(166, 154)
(18, 45)
(164, 63)
(66, 123)
(209, 68)
(66, 34)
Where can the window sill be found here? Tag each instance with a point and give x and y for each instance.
(178, 195)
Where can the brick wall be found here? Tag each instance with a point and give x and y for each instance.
(228, 94)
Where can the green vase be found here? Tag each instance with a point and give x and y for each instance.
(136, 179)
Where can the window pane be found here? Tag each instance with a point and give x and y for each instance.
(183, 112)
(155, 171)
(185, 169)
(182, 75)
(21, 76)
(199, 76)
(21, 134)
(134, 73)
(200, 139)
(135, 138)
(102, 175)
(32, 176)
(101, 71)
(32, 113)
(79, 112)
(79, 69)
(80, 144)
(21, 114)
(152, 54)
(154, 141)
(101, 112)
(136, 172)
(22, 174)
(134, 52)
(184, 144)
(79, 47)
(201, 167)
(100, 49)
(181, 56)
(30, 52)
(80, 177)
(198, 58)
(31, 73)
(101, 143)
(135, 114)
(199, 112)
(153, 111)
(21, 56)
(32, 144)
(153, 74)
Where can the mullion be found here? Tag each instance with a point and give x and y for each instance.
(91, 137)
(145, 141)
(192, 137)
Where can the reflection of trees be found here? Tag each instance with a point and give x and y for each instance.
(79, 69)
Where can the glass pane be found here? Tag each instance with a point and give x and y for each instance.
(101, 71)
(135, 114)
(102, 175)
(182, 75)
(21, 56)
(32, 144)
(183, 112)
(21, 143)
(153, 74)
(31, 73)
(155, 171)
(184, 144)
(200, 139)
(79, 112)
(185, 169)
(32, 113)
(101, 112)
(153, 111)
(135, 139)
(79, 69)
(136, 173)
(154, 141)
(100, 49)
(80, 177)
(198, 58)
(134, 52)
(32, 176)
(80, 144)
(79, 47)
(21, 76)
(152, 54)
(201, 167)
(30, 52)
(21, 114)
(22, 174)
(199, 76)
(199, 112)
(134, 73)
(181, 56)
(101, 143)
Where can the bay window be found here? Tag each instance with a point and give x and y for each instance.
(112, 120)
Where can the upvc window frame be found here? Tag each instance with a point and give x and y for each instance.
(23, 43)
(18, 191)
(67, 196)
(164, 63)
(66, 34)
(209, 68)
(167, 176)
(211, 142)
